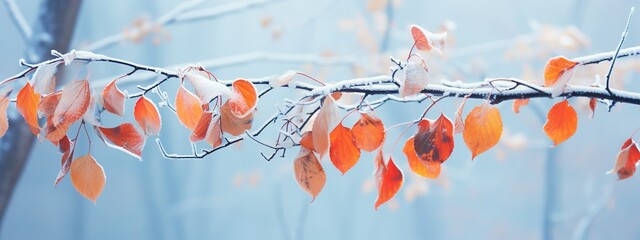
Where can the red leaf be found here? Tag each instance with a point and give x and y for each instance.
(124, 137)
(309, 173)
(243, 99)
(389, 180)
(232, 124)
(428, 169)
(343, 151)
(425, 40)
(188, 108)
(482, 129)
(67, 149)
(88, 177)
(27, 102)
(214, 133)
(113, 99)
(562, 122)
(147, 116)
(519, 103)
(73, 103)
(627, 160)
(592, 105)
(368, 132)
(200, 131)
(434, 141)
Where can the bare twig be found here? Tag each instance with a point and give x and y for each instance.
(18, 19)
(615, 56)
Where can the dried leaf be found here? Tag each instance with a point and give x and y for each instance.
(44, 80)
(67, 149)
(244, 98)
(48, 103)
(323, 124)
(147, 116)
(27, 102)
(232, 124)
(113, 99)
(482, 129)
(416, 77)
(368, 132)
(124, 137)
(214, 133)
(73, 103)
(307, 140)
(434, 141)
(206, 89)
(562, 122)
(427, 169)
(592, 106)
(188, 108)
(627, 160)
(283, 79)
(458, 126)
(343, 151)
(200, 131)
(557, 73)
(4, 121)
(88, 177)
(389, 179)
(309, 173)
(425, 40)
(519, 103)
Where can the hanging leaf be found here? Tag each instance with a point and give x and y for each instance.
(389, 179)
(427, 169)
(343, 151)
(67, 149)
(592, 106)
(627, 160)
(325, 121)
(458, 126)
(200, 131)
(48, 103)
(27, 102)
(147, 116)
(44, 80)
(519, 103)
(557, 73)
(232, 124)
(434, 141)
(113, 99)
(55, 133)
(206, 89)
(124, 137)
(368, 132)
(307, 140)
(88, 177)
(214, 133)
(4, 121)
(244, 98)
(309, 173)
(416, 77)
(562, 122)
(425, 40)
(73, 103)
(482, 129)
(188, 108)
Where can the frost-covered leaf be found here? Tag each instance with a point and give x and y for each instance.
(88, 177)
(426, 40)
(562, 122)
(557, 73)
(427, 169)
(389, 179)
(147, 116)
(27, 102)
(44, 80)
(244, 98)
(124, 137)
(188, 108)
(113, 99)
(73, 103)
(434, 140)
(206, 89)
(416, 77)
(368, 132)
(627, 160)
(309, 173)
(4, 121)
(214, 133)
(482, 129)
(342, 149)
(326, 120)
(283, 79)
(200, 130)
(232, 124)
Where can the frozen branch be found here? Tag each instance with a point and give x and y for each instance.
(184, 12)
(615, 56)
(18, 19)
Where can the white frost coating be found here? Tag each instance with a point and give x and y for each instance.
(329, 88)
(206, 89)
(283, 79)
(69, 57)
(559, 86)
(43, 76)
(416, 77)
(608, 55)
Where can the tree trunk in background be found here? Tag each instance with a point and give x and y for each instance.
(52, 30)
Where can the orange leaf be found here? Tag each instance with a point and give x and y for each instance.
(188, 108)
(309, 173)
(232, 124)
(243, 99)
(482, 129)
(125, 138)
(27, 102)
(343, 151)
(562, 121)
(4, 121)
(73, 103)
(214, 133)
(557, 73)
(428, 169)
(113, 99)
(307, 140)
(88, 177)
(323, 124)
(368, 132)
(425, 40)
(519, 103)
(200, 131)
(55, 133)
(592, 105)
(389, 180)
(434, 141)
(627, 159)
(147, 116)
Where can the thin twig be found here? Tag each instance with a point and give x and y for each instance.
(615, 56)
(16, 15)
